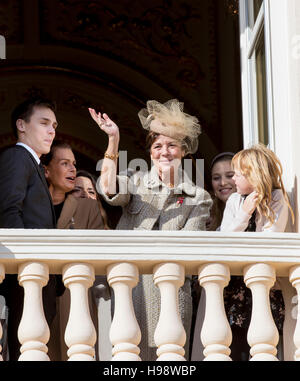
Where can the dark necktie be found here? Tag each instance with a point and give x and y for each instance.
(42, 168)
(251, 224)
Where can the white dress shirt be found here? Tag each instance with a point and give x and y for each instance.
(29, 149)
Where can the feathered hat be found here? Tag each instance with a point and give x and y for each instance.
(169, 119)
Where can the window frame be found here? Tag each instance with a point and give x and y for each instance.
(250, 35)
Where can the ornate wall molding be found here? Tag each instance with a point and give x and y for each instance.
(151, 37)
(11, 21)
(114, 56)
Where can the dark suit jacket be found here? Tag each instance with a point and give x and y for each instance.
(25, 201)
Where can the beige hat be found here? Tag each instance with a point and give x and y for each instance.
(169, 119)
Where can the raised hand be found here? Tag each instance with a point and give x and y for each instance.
(250, 202)
(105, 123)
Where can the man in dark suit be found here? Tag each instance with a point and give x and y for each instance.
(25, 201)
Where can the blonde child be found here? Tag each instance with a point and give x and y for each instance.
(260, 203)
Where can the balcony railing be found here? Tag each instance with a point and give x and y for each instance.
(79, 255)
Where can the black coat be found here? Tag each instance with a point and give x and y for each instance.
(25, 201)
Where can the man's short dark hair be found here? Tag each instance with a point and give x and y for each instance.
(25, 110)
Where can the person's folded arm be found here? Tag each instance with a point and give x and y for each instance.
(234, 219)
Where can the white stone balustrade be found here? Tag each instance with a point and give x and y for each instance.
(262, 333)
(169, 335)
(2, 276)
(33, 332)
(216, 333)
(125, 254)
(80, 334)
(295, 280)
(125, 334)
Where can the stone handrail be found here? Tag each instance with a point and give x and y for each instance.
(79, 255)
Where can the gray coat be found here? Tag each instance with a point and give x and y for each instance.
(146, 200)
(148, 204)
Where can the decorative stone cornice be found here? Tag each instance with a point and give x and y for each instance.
(146, 249)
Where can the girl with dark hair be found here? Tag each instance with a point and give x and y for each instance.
(223, 186)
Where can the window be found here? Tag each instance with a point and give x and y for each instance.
(256, 7)
(256, 72)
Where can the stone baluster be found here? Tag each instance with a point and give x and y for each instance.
(262, 334)
(80, 334)
(169, 335)
(33, 332)
(295, 280)
(216, 334)
(125, 334)
(2, 276)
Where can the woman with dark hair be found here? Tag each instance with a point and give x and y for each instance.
(71, 213)
(85, 187)
(60, 172)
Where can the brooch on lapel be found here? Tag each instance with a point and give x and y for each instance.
(180, 201)
(72, 225)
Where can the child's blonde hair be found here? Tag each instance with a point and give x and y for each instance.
(263, 170)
